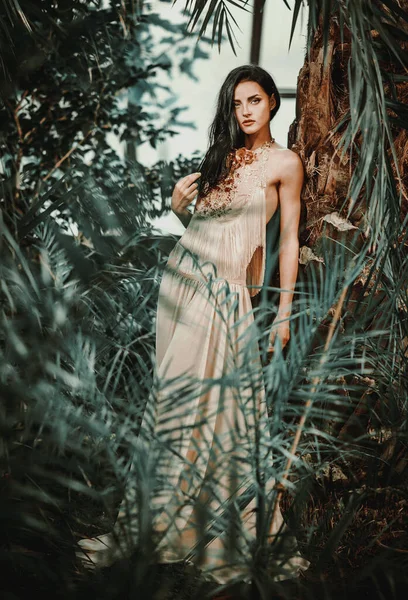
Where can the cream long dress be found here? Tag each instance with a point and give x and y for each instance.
(208, 416)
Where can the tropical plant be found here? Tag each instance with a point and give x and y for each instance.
(77, 242)
(78, 320)
(351, 131)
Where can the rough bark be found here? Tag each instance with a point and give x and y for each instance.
(322, 101)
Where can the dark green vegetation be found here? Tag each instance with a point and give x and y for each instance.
(80, 269)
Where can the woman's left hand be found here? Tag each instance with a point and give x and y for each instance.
(280, 327)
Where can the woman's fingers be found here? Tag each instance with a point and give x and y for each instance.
(188, 180)
(191, 196)
(191, 188)
(184, 191)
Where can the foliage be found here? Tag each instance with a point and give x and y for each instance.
(77, 320)
(76, 72)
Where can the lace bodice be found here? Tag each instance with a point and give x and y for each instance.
(244, 168)
(226, 234)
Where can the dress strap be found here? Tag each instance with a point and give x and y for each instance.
(264, 162)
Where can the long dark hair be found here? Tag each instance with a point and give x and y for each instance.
(225, 134)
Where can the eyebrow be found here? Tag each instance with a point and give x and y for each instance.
(249, 97)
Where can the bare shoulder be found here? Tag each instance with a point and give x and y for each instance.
(284, 164)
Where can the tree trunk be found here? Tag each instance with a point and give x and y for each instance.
(322, 101)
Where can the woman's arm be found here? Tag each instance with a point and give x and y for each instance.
(184, 216)
(184, 193)
(291, 184)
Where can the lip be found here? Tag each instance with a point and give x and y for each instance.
(247, 122)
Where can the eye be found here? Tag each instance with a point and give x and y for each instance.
(256, 100)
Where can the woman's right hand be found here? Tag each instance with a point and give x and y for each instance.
(184, 192)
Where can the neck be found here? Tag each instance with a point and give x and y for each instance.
(257, 145)
(252, 142)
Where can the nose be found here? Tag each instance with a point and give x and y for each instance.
(246, 111)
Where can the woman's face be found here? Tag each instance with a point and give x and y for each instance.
(252, 104)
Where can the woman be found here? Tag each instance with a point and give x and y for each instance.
(208, 418)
